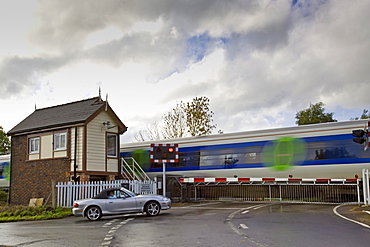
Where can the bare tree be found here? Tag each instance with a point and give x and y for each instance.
(140, 136)
(174, 122)
(191, 118)
(151, 132)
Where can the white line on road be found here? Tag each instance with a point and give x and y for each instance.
(253, 207)
(243, 226)
(354, 221)
(236, 229)
(109, 236)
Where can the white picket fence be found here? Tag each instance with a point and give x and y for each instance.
(68, 192)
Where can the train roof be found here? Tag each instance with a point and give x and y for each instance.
(321, 129)
(5, 158)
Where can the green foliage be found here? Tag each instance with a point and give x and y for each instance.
(191, 118)
(4, 142)
(365, 115)
(314, 114)
(199, 117)
(21, 213)
(3, 196)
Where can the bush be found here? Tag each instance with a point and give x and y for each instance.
(3, 195)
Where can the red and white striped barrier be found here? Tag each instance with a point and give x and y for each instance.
(217, 180)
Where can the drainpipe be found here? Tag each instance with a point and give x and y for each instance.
(75, 161)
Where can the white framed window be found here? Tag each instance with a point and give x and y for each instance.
(112, 143)
(34, 145)
(60, 141)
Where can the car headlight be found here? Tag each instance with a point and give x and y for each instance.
(166, 199)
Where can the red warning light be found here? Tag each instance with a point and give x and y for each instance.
(166, 153)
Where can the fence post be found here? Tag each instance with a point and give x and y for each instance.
(366, 187)
(53, 197)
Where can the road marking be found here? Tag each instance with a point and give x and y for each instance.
(236, 229)
(354, 221)
(113, 229)
(254, 207)
(243, 226)
(366, 211)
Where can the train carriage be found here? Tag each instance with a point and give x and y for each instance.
(310, 151)
(4, 170)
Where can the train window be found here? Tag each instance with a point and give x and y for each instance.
(231, 156)
(254, 155)
(338, 149)
(187, 159)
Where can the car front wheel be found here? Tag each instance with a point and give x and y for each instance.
(152, 209)
(93, 213)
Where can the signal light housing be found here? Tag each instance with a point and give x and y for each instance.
(167, 153)
(362, 136)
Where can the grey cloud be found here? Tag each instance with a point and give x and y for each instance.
(324, 57)
(21, 74)
(276, 54)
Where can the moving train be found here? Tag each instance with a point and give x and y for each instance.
(324, 150)
(4, 170)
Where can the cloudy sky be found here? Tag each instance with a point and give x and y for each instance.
(259, 62)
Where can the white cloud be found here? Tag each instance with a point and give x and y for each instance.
(259, 62)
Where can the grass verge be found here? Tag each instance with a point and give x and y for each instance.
(9, 213)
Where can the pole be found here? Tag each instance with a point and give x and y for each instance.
(367, 203)
(164, 179)
(358, 192)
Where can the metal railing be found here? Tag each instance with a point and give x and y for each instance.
(339, 191)
(270, 192)
(131, 170)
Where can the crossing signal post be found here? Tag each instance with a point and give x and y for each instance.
(362, 136)
(164, 153)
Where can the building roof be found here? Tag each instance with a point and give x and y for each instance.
(62, 115)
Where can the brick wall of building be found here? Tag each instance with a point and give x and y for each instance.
(32, 179)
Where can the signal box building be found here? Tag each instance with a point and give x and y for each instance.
(78, 140)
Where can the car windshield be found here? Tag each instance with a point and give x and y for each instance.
(130, 193)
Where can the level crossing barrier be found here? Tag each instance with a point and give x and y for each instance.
(274, 189)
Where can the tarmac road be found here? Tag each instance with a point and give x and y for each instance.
(204, 224)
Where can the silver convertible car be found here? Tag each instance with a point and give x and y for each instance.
(120, 201)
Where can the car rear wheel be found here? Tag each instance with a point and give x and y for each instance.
(93, 213)
(152, 209)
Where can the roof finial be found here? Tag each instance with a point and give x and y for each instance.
(106, 102)
(35, 107)
(99, 93)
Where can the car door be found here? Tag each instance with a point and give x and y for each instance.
(122, 203)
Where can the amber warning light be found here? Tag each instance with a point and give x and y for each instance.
(167, 153)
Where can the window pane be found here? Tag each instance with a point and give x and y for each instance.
(60, 141)
(34, 145)
(63, 141)
(112, 145)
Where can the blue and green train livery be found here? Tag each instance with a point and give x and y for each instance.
(4, 171)
(310, 151)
